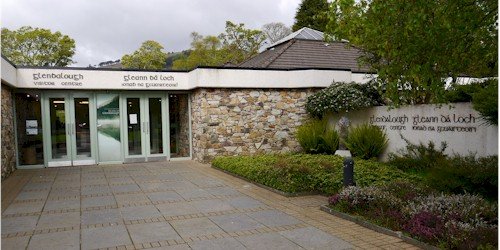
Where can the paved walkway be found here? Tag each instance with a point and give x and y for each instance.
(174, 205)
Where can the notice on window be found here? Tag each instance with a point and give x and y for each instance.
(132, 119)
(31, 127)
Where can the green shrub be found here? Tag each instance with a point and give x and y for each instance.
(466, 174)
(342, 97)
(418, 156)
(485, 101)
(308, 173)
(309, 135)
(330, 140)
(316, 137)
(462, 92)
(483, 95)
(366, 141)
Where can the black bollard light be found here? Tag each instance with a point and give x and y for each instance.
(348, 172)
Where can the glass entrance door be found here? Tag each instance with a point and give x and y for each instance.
(145, 128)
(70, 129)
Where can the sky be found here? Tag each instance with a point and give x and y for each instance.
(105, 30)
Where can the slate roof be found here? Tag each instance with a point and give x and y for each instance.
(305, 49)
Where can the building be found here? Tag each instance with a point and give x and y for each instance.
(306, 49)
(81, 116)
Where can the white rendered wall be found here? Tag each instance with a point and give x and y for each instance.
(9, 73)
(70, 78)
(244, 78)
(459, 125)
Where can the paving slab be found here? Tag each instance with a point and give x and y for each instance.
(132, 187)
(174, 247)
(220, 244)
(15, 243)
(37, 185)
(139, 212)
(100, 216)
(94, 181)
(64, 192)
(96, 190)
(195, 227)
(244, 202)
(152, 232)
(58, 220)
(177, 208)
(165, 196)
(223, 191)
(55, 241)
(98, 201)
(166, 205)
(21, 208)
(236, 222)
(62, 204)
(18, 224)
(32, 195)
(104, 237)
(273, 218)
(271, 241)
(123, 199)
(213, 205)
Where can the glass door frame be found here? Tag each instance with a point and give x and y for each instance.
(17, 148)
(71, 159)
(144, 127)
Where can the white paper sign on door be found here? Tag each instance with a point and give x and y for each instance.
(133, 118)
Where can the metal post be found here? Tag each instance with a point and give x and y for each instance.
(348, 172)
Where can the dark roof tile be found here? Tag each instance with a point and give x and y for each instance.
(299, 53)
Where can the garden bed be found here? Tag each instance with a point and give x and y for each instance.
(286, 194)
(449, 221)
(304, 173)
(362, 222)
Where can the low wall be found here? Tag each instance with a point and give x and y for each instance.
(458, 124)
(8, 140)
(246, 121)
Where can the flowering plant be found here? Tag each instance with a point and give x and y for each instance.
(450, 221)
(342, 97)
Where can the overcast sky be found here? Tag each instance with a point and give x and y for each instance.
(107, 29)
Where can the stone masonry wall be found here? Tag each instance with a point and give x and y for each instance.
(8, 140)
(184, 126)
(246, 121)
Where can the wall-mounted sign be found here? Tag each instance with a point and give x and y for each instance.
(101, 79)
(31, 127)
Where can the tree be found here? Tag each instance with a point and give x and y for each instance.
(275, 31)
(149, 56)
(37, 47)
(233, 46)
(312, 14)
(206, 51)
(240, 43)
(414, 45)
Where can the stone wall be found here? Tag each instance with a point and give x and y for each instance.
(8, 140)
(183, 126)
(246, 121)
